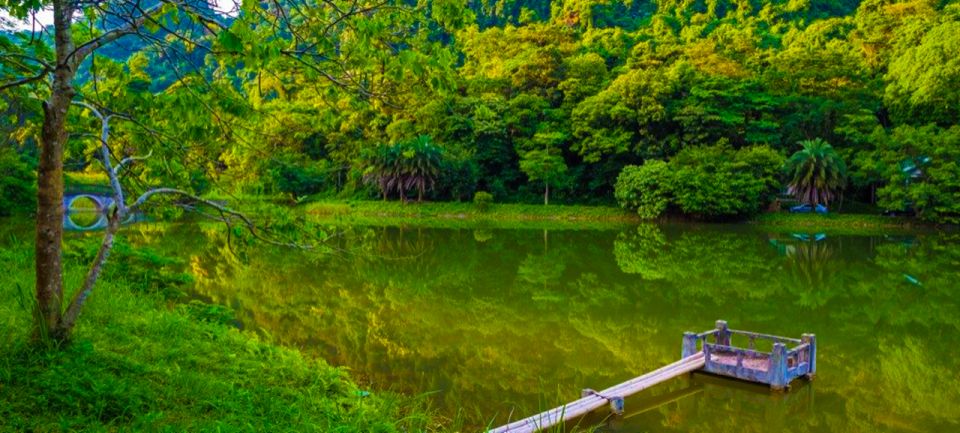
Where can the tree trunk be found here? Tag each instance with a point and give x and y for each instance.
(49, 271)
(546, 194)
(73, 310)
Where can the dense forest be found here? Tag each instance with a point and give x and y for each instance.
(696, 107)
(374, 169)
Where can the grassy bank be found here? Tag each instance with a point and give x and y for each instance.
(143, 363)
(835, 223)
(446, 214)
(571, 217)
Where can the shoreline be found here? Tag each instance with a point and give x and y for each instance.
(463, 214)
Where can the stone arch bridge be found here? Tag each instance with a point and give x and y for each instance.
(102, 204)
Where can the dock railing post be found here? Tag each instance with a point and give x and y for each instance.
(689, 345)
(706, 357)
(811, 339)
(616, 405)
(616, 402)
(723, 333)
(778, 367)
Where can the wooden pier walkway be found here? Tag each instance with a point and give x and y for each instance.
(613, 396)
(776, 368)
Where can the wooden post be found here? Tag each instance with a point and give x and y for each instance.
(689, 344)
(723, 333)
(811, 339)
(616, 405)
(778, 367)
(616, 402)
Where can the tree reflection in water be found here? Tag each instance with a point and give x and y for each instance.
(500, 320)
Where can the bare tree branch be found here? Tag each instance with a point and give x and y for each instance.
(130, 159)
(105, 156)
(113, 222)
(250, 225)
(41, 62)
(76, 305)
(25, 80)
(130, 28)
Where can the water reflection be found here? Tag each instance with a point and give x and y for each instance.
(95, 220)
(702, 402)
(501, 321)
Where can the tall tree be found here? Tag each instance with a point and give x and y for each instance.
(817, 173)
(545, 166)
(337, 41)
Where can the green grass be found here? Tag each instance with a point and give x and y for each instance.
(140, 362)
(838, 223)
(454, 214)
(97, 182)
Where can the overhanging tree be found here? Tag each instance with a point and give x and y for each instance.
(336, 41)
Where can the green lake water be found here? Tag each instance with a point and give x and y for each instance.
(495, 323)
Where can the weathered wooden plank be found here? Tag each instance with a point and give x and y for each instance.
(705, 334)
(597, 400)
(718, 349)
(774, 338)
(801, 348)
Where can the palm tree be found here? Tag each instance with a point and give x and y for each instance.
(421, 164)
(381, 168)
(413, 164)
(816, 173)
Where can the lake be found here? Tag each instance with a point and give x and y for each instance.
(491, 323)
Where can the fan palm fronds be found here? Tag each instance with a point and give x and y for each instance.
(413, 164)
(816, 172)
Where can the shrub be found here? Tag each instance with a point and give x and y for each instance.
(717, 182)
(645, 188)
(706, 181)
(296, 178)
(458, 179)
(18, 183)
(483, 200)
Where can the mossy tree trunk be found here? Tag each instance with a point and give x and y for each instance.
(49, 270)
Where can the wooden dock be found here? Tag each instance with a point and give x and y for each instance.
(776, 368)
(612, 397)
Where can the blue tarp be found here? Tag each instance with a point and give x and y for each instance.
(805, 208)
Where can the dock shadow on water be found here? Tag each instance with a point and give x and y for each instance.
(500, 324)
